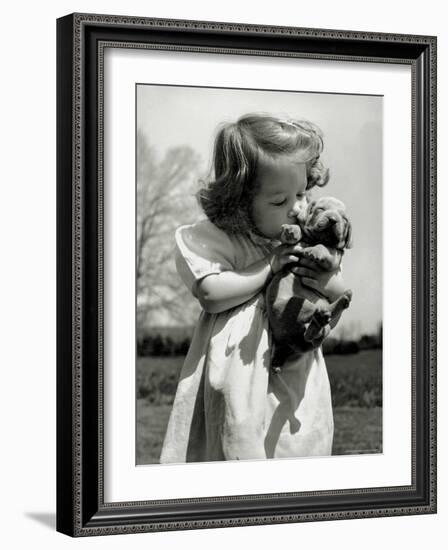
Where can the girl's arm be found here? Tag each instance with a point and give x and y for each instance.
(328, 283)
(222, 291)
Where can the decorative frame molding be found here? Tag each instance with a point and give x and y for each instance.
(81, 39)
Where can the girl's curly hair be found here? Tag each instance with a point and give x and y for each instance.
(227, 199)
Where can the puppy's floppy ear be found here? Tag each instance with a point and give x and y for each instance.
(306, 214)
(348, 235)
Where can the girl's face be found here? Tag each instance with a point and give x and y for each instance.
(281, 195)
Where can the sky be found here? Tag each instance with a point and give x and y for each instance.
(171, 116)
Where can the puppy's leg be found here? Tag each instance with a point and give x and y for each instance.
(325, 257)
(318, 254)
(337, 307)
(279, 355)
(318, 323)
(325, 331)
(318, 328)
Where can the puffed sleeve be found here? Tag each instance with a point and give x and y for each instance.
(202, 249)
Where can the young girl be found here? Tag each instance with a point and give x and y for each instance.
(228, 405)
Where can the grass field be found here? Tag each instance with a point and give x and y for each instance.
(356, 382)
(357, 430)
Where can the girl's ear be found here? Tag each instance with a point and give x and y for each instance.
(348, 236)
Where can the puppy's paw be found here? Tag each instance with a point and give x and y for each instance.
(341, 303)
(322, 317)
(318, 254)
(345, 299)
(317, 328)
(291, 234)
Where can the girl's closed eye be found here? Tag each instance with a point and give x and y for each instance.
(279, 203)
(299, 196)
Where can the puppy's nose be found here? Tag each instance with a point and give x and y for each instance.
(332, 218)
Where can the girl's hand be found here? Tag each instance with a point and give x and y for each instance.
(328, 283)
(282, 255)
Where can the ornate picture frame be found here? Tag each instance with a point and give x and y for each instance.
(81, 506)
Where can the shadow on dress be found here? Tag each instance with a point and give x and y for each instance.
(289, 402)
(246, 343)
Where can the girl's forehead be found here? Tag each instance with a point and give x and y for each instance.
(282, 165)
(280, 176)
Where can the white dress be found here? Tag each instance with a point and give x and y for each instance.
(228, 406)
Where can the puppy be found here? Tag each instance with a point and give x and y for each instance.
(299, 316)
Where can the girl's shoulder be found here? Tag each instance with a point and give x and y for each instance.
(203, 233)
(205, 240)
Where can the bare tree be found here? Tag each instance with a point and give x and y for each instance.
(165, 200)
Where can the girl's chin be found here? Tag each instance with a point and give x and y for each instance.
(275, 236)
(272, 235)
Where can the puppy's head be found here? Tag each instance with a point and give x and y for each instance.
(325, 222)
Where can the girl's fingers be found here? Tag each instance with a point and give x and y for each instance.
(312, 283)
(307, 263)
(291, 258)
(293, 249)
(297, 248)
(304, 271)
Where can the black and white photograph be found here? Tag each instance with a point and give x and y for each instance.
(229, 217)
(259, 291)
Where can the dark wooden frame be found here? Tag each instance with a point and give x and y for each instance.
(81, 510)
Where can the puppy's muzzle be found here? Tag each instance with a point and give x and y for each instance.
(327, 220)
